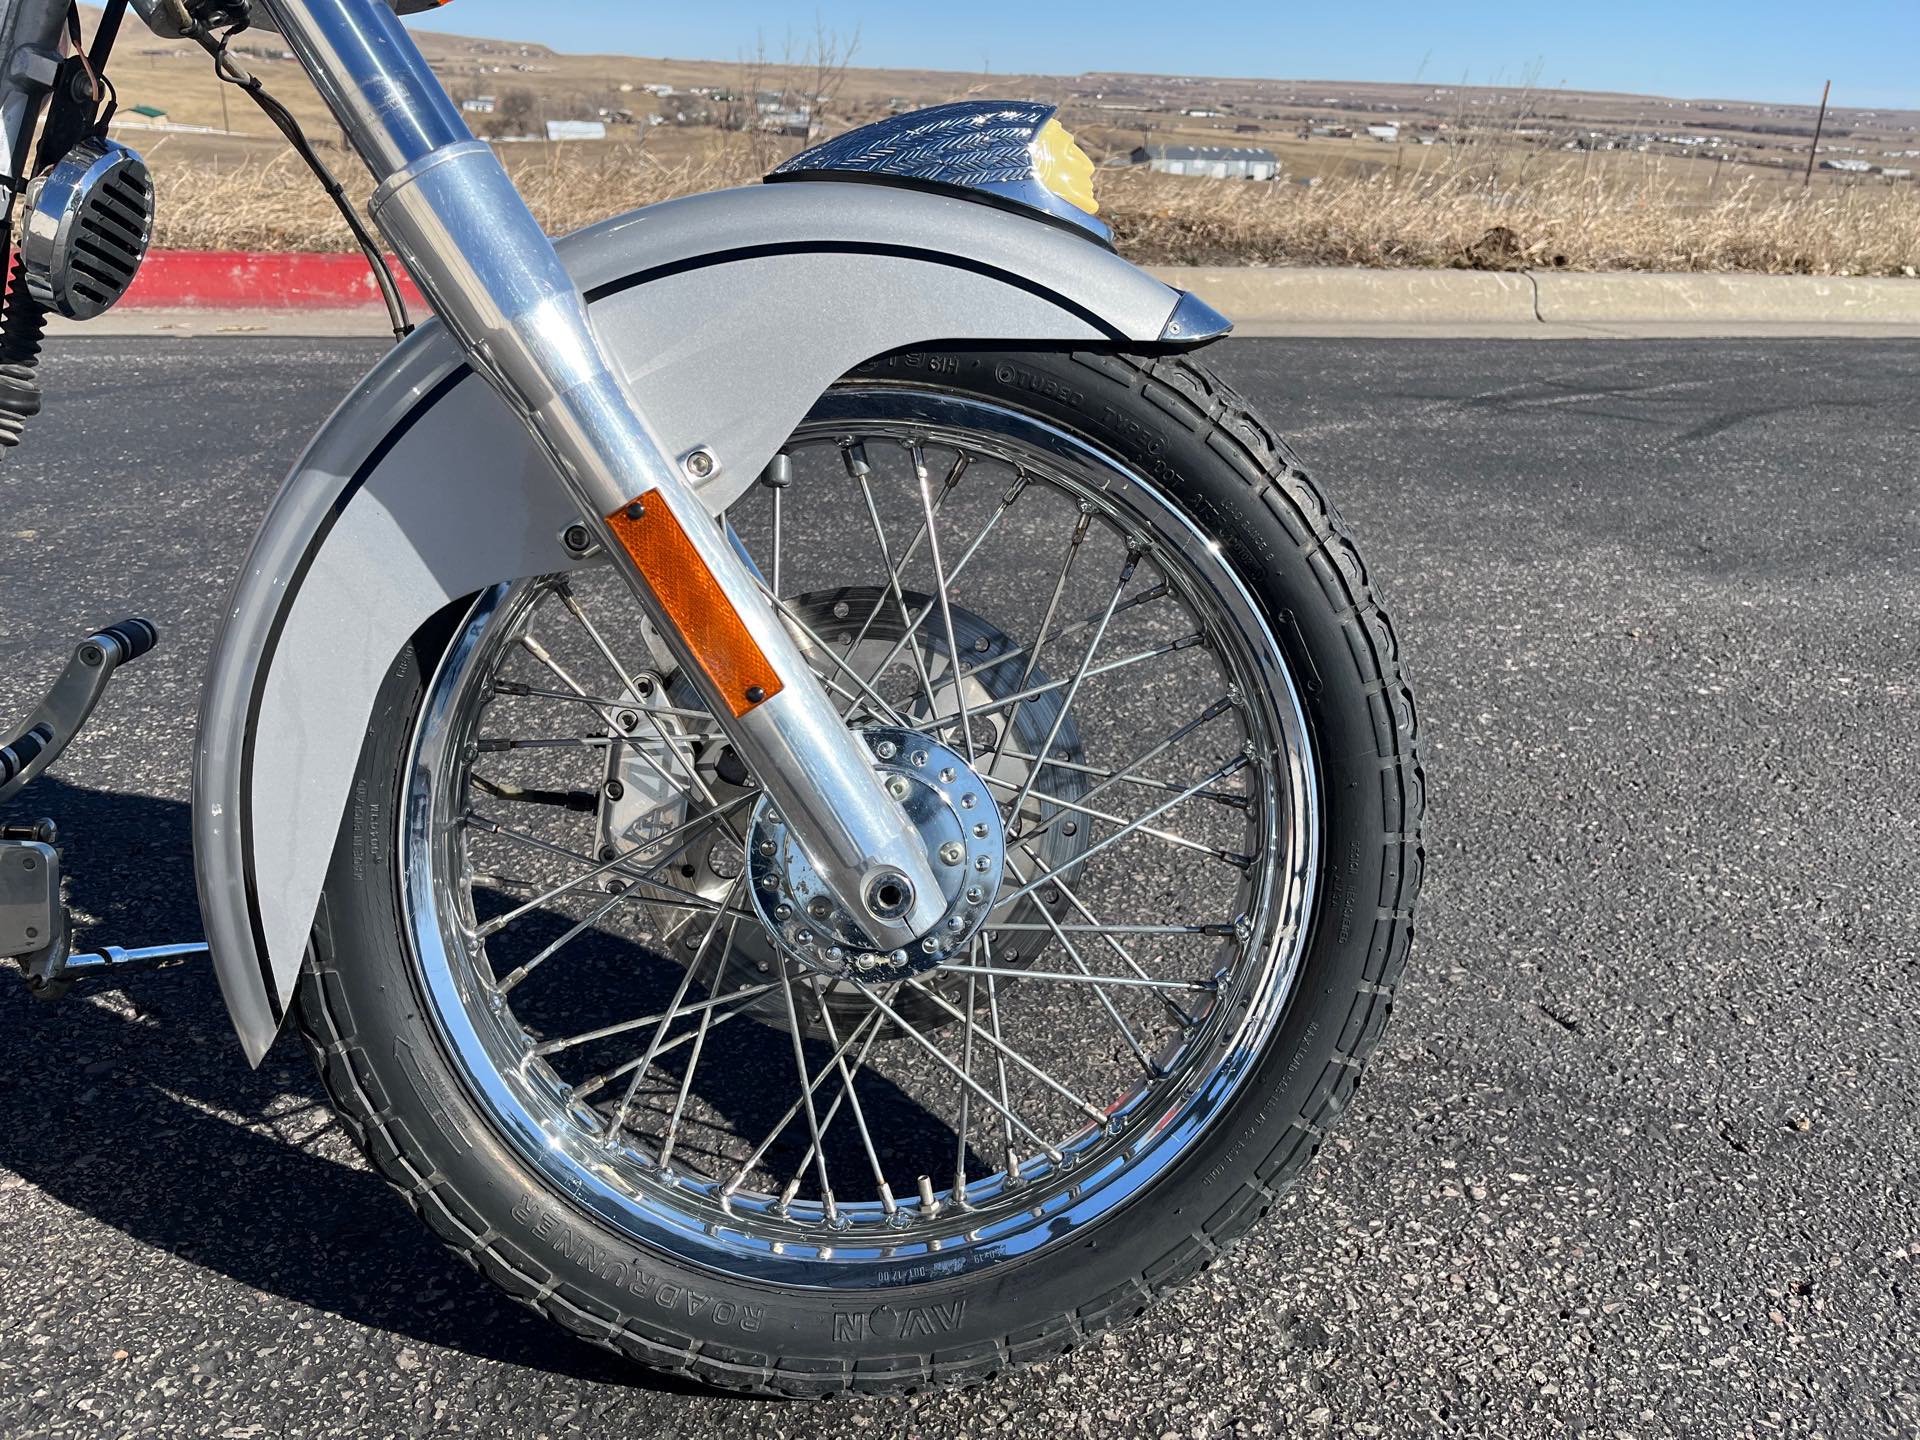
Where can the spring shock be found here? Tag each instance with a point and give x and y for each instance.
(23, 328)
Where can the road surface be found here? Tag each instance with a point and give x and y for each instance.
(1641, 1155)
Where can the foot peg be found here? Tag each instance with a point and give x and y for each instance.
(37, 744)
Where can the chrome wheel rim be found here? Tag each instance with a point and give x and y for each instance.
(1169, 1012)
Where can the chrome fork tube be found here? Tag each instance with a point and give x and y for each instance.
(450, 209)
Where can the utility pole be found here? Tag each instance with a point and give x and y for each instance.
(1818, 126)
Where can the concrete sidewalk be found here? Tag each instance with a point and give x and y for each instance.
(1354, 304)
(1551, 304)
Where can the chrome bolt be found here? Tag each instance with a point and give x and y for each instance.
(967, 802)
(820, 908)
(980, 832)
(629, 720)
(897, 787)
(952, 853)
(1070, 827)
(701, 464)
(975, 895)
(949, 775)
(983, 864)
(769, 882)
(899, 957)
(783, 912)
(955, 924)
(886, 749)
(930, 945)
(918, 758)
(841, 610)
(803, 937)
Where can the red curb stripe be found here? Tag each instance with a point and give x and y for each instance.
(237, 280)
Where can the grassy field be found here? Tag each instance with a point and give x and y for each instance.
(1450, 215)
(1496, 189)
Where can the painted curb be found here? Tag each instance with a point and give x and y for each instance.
(234, 280)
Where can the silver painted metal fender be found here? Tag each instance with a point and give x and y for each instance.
(731, 314)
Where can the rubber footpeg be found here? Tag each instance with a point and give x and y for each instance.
(135, 637)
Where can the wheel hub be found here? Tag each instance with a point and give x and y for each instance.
(954, 817)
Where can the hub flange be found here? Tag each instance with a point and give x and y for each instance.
(955, 819)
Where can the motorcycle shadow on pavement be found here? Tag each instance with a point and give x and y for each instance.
(135, 1107)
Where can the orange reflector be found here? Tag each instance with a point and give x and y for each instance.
(694, 602)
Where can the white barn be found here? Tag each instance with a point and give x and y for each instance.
(1218, 162)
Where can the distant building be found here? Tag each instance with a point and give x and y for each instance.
(1389, 133)
(480, 105)
(1219, 162)
(576, 130)
(1896, 172)
(1852, 167)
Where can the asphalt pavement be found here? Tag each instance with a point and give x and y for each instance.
(1640, 1156)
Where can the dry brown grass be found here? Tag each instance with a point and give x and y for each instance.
(1439, 217)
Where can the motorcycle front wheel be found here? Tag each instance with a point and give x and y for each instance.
(559, 998)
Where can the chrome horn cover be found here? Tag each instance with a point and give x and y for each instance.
(89, 223)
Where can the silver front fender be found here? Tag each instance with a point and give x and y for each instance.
(731, 314)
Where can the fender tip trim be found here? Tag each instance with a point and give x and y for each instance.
(1194, 322)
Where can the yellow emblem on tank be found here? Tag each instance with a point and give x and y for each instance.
(1063, 167)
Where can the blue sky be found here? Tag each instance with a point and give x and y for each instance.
(1760, 50)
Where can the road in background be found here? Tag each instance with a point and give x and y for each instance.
(1640, 1156)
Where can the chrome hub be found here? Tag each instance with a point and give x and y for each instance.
(957, 825)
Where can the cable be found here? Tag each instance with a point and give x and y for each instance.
(230, 71)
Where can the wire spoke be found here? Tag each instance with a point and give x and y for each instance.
(619, 1120)
(1013, 493)
(683, 833)
(673, 897)
(946, 604)
(1126, 955)
(1144, 758)
(1212, 852)
(868, 693)
(1109, 841)
(1098, 1116)
(554, 1047)
(960, 467)
(745, 1168)
(852, 1097)
(899, 596)
(1034, 692)
(693, 1060)
(912, 1032)
(1084, 978)
(1106, 1000)
(806, 1090)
